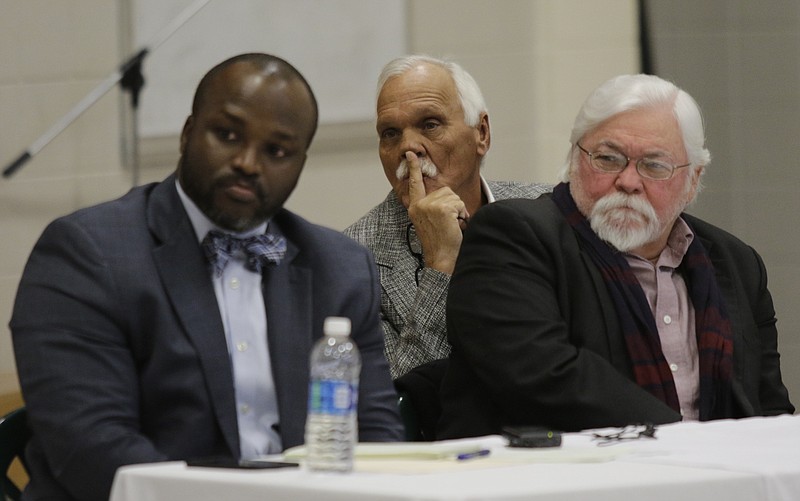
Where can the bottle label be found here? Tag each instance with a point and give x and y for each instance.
(331, 397)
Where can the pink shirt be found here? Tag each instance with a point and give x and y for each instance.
(673, 312)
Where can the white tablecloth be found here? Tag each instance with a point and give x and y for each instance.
(751, 459)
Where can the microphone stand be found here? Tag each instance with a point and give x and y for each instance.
(132, 81)
(129, 76)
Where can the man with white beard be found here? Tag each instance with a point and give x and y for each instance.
(433, 131)
(604, 304)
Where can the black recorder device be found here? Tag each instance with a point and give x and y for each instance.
(531, 436)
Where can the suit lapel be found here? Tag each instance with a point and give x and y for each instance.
(400, 283)
(617, 351)
(184, 273)
(395, 263)
(288, 296)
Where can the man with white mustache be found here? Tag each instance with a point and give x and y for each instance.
(604, 304)
(433, 130)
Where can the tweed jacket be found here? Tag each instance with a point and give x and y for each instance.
(413, 314)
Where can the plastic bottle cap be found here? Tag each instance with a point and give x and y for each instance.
(337, 326)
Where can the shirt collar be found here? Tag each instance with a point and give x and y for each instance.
(678, 241)
(487, 191)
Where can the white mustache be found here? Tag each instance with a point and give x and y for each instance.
(427, 167)
(621, 201)
(622, 229)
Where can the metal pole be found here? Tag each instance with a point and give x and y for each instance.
(132, 63)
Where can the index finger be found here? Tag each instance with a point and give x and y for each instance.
(416, 185)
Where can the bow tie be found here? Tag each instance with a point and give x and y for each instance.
(260, 250)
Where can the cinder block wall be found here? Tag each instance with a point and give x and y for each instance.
(535, 60)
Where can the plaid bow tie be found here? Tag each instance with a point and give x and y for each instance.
(259, 250)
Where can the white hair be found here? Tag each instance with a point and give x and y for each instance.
(629, 92)
(472, 102)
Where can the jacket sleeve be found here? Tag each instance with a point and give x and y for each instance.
(378, 413)
(77, 373)
(759, 367)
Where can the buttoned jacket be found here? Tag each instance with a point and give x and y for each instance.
(121, 350)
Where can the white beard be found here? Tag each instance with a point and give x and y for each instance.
(626, 222)
(427, 167)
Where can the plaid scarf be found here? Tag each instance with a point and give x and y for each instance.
(712, 325)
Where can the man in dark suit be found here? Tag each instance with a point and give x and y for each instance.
(604, 304)
(135, 343)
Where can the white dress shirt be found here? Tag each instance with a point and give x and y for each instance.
(241, 306)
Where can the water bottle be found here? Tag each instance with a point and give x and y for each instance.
(332, 424)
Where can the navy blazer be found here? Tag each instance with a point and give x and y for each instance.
(121, 351)
(536, 338)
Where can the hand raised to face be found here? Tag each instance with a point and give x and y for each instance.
(439, 218)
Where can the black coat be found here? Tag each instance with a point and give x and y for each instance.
(536, 338)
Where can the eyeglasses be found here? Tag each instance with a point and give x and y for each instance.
(630, 432)
(416, 254)
(611, 161)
